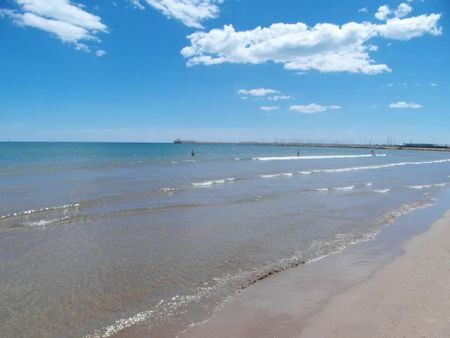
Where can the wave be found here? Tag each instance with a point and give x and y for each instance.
(419, 187)
(169, 190)
(212, 182)
(345, 188)
(313, 157)
(275, 175)
(382, 191)
(305, 172)
(427, 186)
(380, 166)
(40, 210)
(42, 222)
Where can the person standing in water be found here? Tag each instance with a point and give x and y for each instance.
(298, 152)
(192, 153)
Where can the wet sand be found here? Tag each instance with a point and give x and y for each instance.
(408, 297)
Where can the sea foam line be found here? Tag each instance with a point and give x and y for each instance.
(212, 182)
(34, 211)
(382, 191)
(380, 166)
(314, 157)
(275, 175)
(345, 188)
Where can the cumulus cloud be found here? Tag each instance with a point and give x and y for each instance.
(190, 12)
(268, 108)
(312, 108)
(404, 105)
(68, 21)
(257, 92)
(324, 47)
(385, 12)
(402, 10)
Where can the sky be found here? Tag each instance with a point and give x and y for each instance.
(225, 70)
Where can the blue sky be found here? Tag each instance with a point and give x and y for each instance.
(155, 70)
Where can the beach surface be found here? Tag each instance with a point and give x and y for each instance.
(408, 297)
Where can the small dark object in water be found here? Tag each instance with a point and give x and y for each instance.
(193, 153)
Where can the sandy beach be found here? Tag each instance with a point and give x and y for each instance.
(408, 297)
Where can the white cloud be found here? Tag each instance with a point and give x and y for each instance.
(100, 53)
(312, 108)
(66, 20)
(268, 108)
(385, 12)
(323, 47)
(433, 84)
(402, 10)
(257, 92)
(404, 105)
(189, 12)
(363, 10)
(279, 97)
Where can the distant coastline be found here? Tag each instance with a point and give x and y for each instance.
(404, 146)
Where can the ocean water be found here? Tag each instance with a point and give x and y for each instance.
(98, 237)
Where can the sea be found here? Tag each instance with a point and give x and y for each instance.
(96, 238)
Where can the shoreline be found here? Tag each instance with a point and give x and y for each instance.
(409, 297)
(396, 299)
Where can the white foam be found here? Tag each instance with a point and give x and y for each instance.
(275, 175)
(350, 187)
(305, 172)
(419, 187)
(321, 189)
(41, 223)
(33, 211)
(382, 191)
(346, 188)
(210, 183)
(440, 184)
(314, 157)
(380, 166)
(369, 184)
(168, 190)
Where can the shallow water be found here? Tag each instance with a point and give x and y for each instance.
(99, 237)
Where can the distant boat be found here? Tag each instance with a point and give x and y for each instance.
(178, 141)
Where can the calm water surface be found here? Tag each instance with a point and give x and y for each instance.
(95, 238)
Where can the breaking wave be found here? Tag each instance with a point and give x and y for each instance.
(212, 182)
(345, 188)
(275, 175)
(379, 166)
(315, 157)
